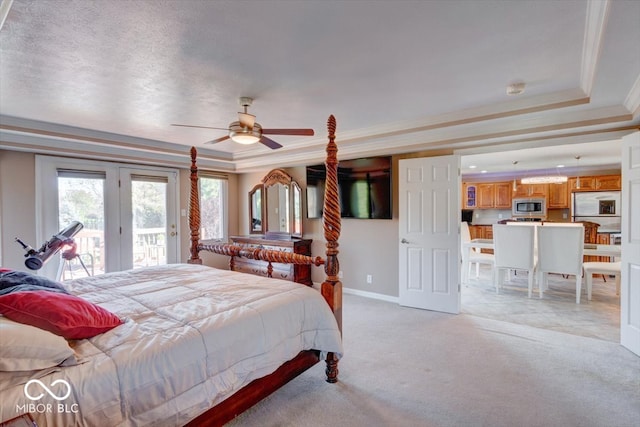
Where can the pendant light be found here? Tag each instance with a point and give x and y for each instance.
(515, 186)
(577, 172)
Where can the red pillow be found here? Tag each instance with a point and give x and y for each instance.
(65, 315)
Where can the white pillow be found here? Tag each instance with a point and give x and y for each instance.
(27, 348)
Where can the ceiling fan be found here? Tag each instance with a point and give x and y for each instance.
(247, 131)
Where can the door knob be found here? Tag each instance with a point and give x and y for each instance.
(173, 233)
(404, 240)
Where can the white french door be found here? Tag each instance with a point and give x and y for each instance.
(630, 264)
(148, 218)
(129, 214)
(429, 232)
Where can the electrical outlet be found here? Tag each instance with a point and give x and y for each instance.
(340, 275)
(564, 215)
(369, 278)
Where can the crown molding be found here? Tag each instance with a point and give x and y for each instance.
(632, 101)
(596, 21)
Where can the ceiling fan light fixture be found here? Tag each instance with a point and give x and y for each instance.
(243, 135)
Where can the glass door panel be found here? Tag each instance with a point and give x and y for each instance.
(148, 218)
(149, 233)
(81, 197)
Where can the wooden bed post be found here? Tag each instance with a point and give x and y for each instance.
(332, 287)
(194, 211)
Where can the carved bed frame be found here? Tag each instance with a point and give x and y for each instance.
(331, 288)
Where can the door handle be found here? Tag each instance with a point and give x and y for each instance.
(404, 240)
(173, 233)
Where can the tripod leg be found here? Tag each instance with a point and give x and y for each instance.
(82, 264)
(70, 270)
(60, 269)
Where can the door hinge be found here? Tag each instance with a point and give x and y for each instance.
(119, 183)
(120, 230)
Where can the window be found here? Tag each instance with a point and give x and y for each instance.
(213, 203)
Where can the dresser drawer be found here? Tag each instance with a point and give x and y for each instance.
(294, 273)
(269, 247)
(259, 268)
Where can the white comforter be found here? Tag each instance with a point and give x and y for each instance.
(193, 335)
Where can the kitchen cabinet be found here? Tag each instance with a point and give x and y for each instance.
(469, 193)
(476, 231)
(486, 195)
(608, 182)
(558, 196)
(502, 198)
(482, 232)
(587, 183)
(596, 183)
(531, 190)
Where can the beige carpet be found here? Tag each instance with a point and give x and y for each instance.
(408, 367)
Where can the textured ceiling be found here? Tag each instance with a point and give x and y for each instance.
(107, 78)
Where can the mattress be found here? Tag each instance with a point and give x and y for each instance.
(192, 336)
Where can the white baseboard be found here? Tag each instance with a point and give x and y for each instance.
(372, 295)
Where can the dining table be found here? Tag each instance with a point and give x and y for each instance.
(614, 251)
(589, 248)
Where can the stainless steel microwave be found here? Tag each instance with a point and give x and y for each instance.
(529, 207)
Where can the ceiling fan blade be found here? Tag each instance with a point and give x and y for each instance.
(301, 132)
(198, 127)
(215, 141)
(246, 119)
(270, 143)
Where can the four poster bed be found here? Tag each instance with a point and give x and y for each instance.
(180, 344)
(331, 288)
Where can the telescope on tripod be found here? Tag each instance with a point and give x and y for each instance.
(35, 259)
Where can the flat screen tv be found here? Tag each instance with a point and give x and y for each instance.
(364, 187)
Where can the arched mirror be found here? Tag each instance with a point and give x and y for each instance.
(256, 210)
(277, 202)
(278, 209)
(296, 205)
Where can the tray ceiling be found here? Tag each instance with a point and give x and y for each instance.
(106, 79)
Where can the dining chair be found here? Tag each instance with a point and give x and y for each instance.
(560, 250)
(591, 268)
(475, 256)
(514, 249)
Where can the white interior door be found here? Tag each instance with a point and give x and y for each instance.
(630, 278)
(429, 233)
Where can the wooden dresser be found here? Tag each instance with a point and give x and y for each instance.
(294, 273)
